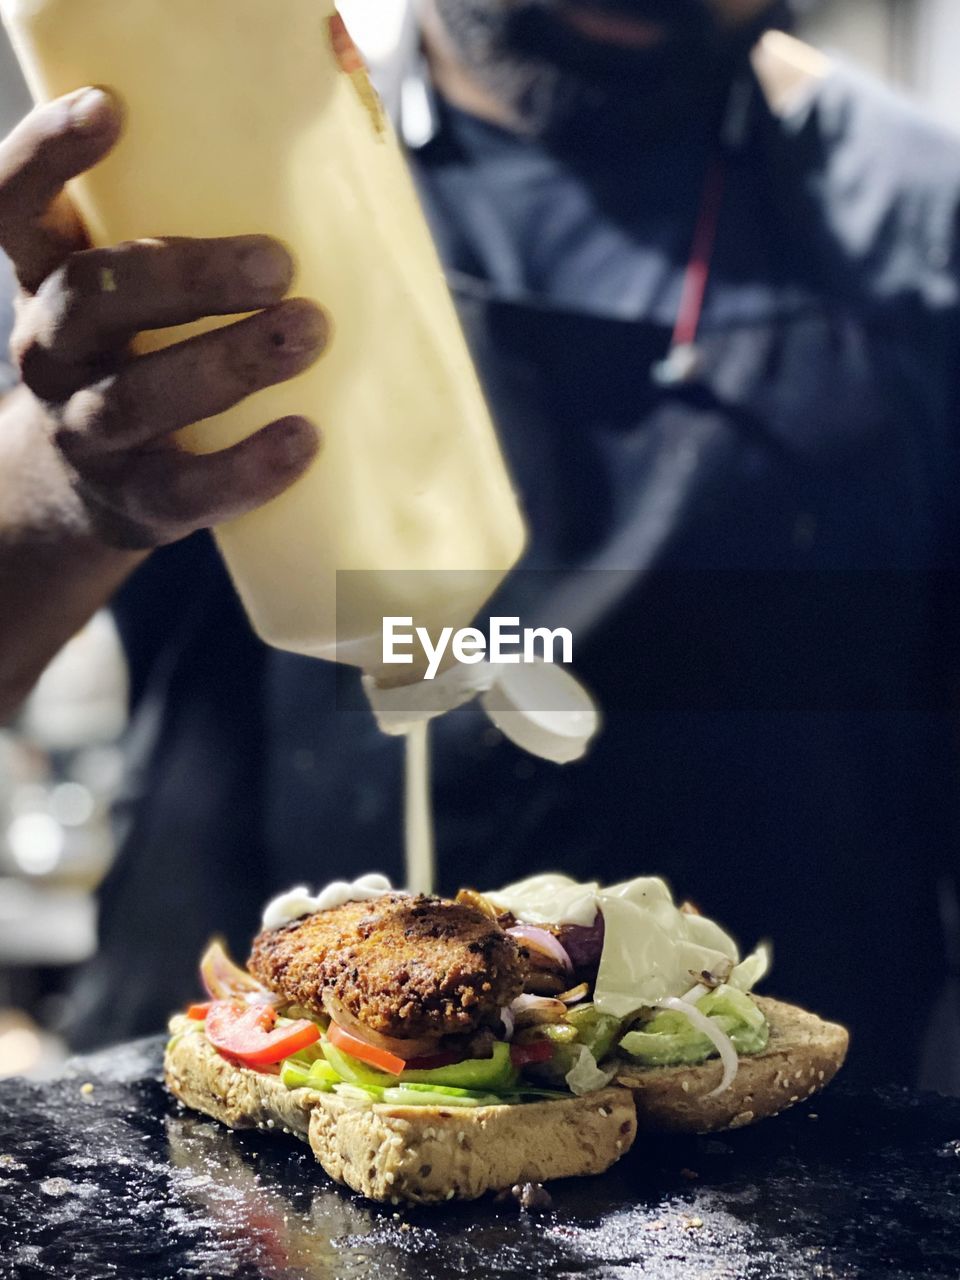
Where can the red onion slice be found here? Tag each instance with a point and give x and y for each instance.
(421, 1047)
(224, 980)
(583, 943)
(720, 1040)
(542, 941)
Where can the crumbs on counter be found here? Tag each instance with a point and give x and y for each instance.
(532, 1197)
(56, 1188)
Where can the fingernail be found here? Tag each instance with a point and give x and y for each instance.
(297, 440)
(268, 267)
(91, 111)
(300, 327)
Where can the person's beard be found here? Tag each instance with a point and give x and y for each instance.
(564, 87)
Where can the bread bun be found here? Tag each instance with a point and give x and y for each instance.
(418, 1155)
(424, 1155)
(803, 1055)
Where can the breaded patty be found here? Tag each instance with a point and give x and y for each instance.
(405, 966)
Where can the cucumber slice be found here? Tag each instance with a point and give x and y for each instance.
(406, 1097)
(317, 1075)
(293, 1075)
(358, 1092)
(670, 1040)
(734, 1004)
(448, 1090)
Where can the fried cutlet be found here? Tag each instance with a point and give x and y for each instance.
(404, 966)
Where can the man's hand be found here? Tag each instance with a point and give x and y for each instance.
(90, 476)
(108, 415)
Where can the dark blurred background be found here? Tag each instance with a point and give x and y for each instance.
(60, 762)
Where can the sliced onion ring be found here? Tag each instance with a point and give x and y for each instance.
(528, 1009)
(470, 898)
(224, 980)
(542, 941)
(421, 1047)
(575, 994)
(695, 993)
(509, 1022)
(720, 1040)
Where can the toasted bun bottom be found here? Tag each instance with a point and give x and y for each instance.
(803, 1055)
(420, 1155)
(423, 1155)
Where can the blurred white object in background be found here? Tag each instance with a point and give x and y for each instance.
(937, 57)
(81, 698)
(865, 30)
(44, 926)
(25, 1049)
(60, 770)
(36, 843)
(63, 761)
(386, 33)
(378, 26)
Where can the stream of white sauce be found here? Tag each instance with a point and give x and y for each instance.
(418, 814)
(420, 854)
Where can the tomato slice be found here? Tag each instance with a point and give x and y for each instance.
(250, 1033)
(199, 1011)
(524, 1055)
(392, 1063)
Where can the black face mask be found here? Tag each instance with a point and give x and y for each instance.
(570, 90)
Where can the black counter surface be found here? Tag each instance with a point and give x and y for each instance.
(117, 1180)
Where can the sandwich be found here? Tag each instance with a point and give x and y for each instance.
(429, 1049)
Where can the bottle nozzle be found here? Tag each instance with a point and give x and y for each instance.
(540, 706)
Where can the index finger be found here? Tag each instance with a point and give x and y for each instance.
(55, 142)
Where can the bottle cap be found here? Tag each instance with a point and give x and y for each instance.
(541, 707)
(544, 709)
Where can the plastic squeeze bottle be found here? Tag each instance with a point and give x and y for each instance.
(259, 116)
